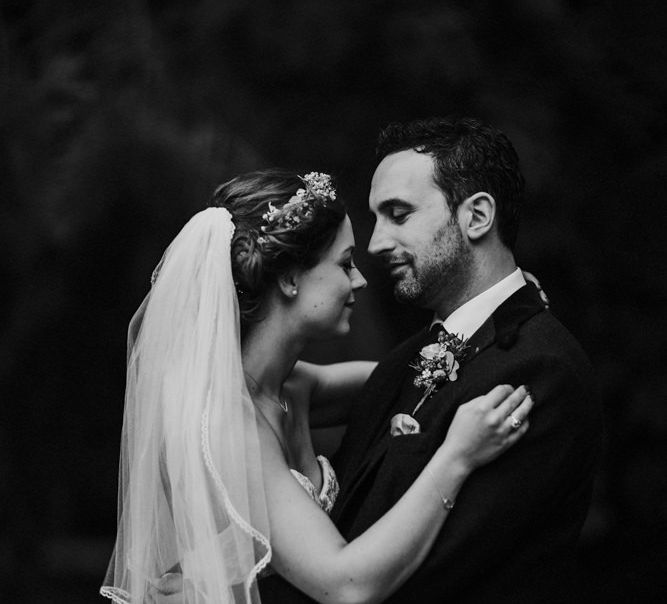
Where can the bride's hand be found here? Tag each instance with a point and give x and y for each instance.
(533, 279)
(488, 425)
(168, 589)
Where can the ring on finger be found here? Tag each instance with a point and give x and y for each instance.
(515, 422)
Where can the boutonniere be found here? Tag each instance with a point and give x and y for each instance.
(438, 363)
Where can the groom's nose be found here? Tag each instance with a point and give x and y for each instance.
(380, 242)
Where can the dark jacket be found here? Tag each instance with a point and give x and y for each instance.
(512, 533)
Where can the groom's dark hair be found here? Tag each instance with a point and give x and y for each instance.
(468, 157)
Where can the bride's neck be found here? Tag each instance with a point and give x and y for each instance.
(269, 353)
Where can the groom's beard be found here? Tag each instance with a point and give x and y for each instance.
(441, 265)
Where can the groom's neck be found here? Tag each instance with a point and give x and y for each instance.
(483, 274)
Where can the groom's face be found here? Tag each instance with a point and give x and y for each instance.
(416, 234)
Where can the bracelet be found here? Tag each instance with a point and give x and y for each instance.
(446, 501)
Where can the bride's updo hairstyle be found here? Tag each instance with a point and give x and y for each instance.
(272, 237)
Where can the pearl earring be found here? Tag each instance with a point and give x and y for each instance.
(294, 292)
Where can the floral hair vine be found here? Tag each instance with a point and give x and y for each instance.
(300, 207)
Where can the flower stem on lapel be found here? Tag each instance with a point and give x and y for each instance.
(429, 390)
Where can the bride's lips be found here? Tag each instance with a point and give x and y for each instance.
(349, 304)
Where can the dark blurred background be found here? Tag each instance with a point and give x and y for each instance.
(118, 119)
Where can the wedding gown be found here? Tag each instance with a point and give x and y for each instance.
(329, 491)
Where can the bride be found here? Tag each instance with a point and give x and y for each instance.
(219, 482)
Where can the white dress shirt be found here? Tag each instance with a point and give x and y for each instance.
(469, 317)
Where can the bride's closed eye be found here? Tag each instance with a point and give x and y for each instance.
(348, 264)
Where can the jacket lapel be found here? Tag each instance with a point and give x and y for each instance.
(386, 392)
(513, 312)
(484, 337)
(375, 406)
(502, 327)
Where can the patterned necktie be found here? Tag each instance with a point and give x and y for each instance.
(435, 330)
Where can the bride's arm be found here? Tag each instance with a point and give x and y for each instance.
(309, 551)
(331, 389)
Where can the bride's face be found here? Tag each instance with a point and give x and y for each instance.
(326, 292)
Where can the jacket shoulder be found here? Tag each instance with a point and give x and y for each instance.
(549, 337)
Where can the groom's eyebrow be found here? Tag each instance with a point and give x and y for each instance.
(387, 205)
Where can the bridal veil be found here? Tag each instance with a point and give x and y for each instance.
(191, 497)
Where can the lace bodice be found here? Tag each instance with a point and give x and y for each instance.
(327, 495)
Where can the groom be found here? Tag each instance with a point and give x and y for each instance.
(446, 197)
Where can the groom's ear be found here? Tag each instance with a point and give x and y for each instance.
(477, 214)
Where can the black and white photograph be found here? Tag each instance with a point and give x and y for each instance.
(333, 302)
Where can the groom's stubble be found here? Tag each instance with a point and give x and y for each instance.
(439, 270)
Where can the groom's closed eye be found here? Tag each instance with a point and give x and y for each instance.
(399, 215)
(396, 210)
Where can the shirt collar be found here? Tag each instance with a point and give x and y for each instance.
(468, 317)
